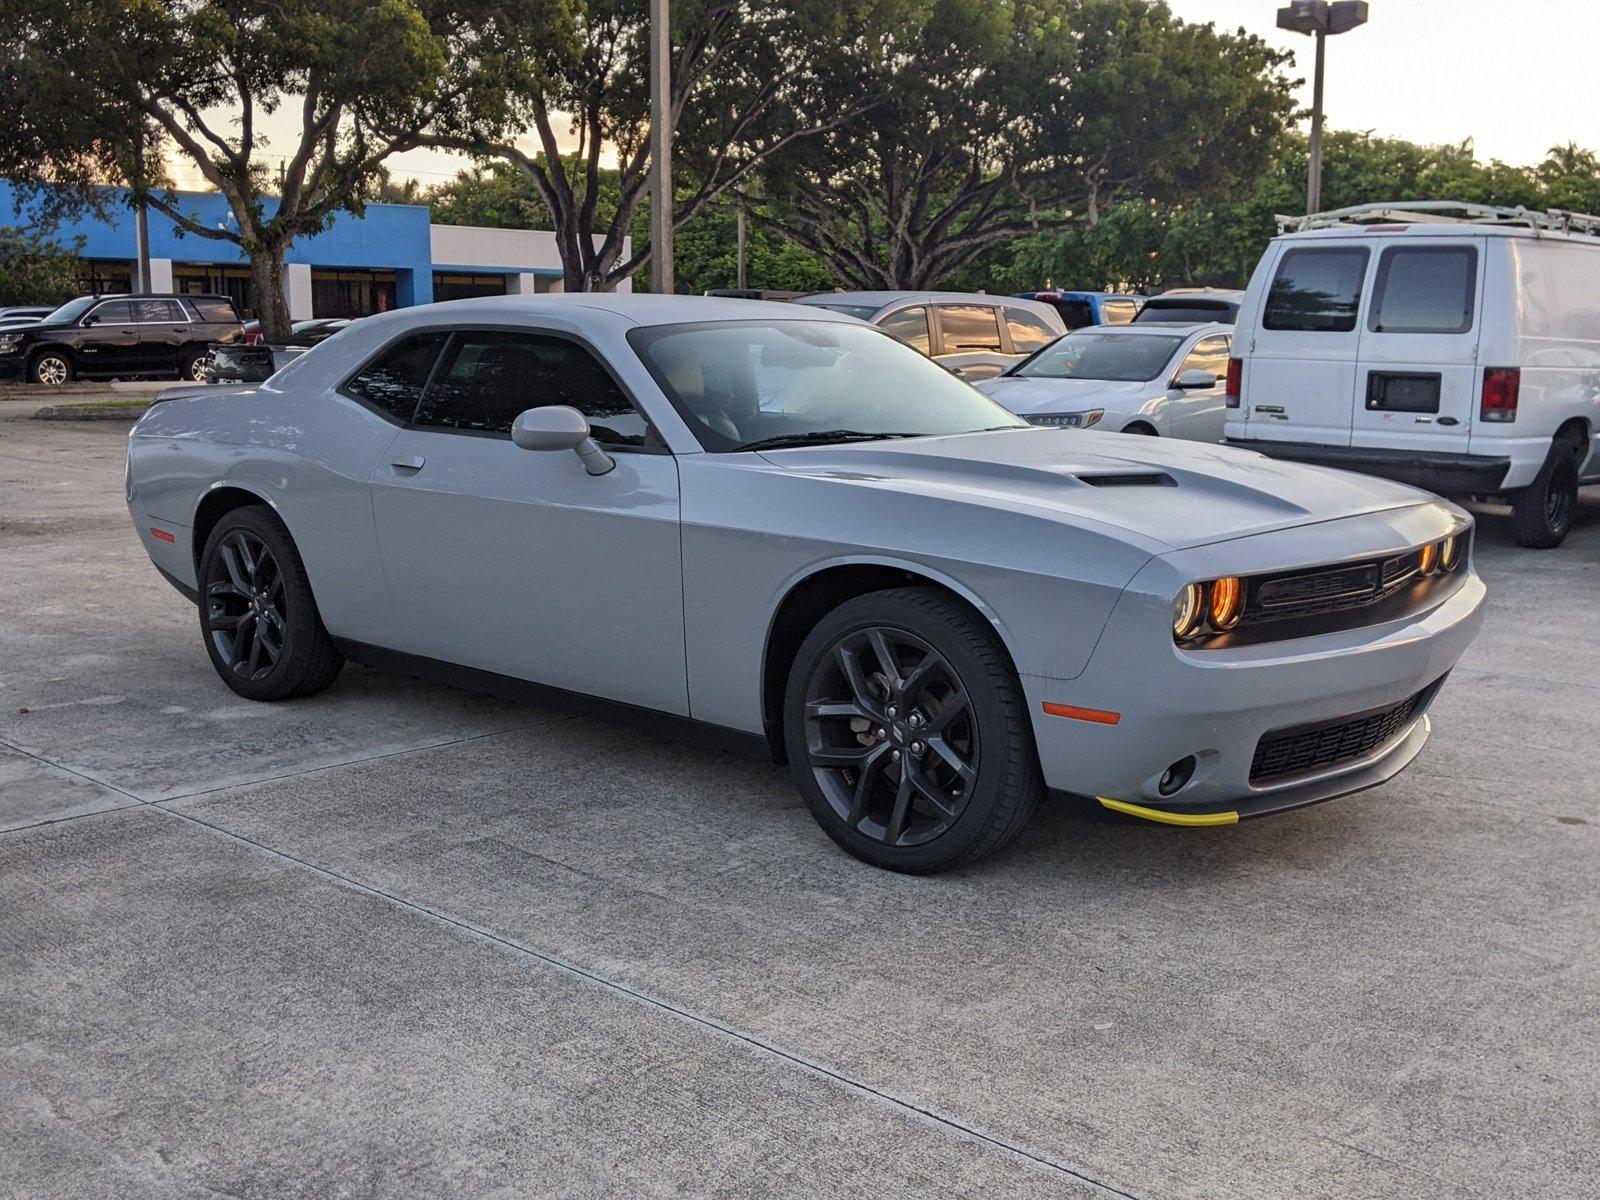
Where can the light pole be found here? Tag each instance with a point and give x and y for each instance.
(660, 148)
(1321, 19)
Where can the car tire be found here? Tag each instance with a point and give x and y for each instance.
(890, 788)
(1541, 513)
(258, 618)
(51, 368)
(193, 368)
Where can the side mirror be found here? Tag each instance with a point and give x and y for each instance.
(1194, 379)
(89, 320)
(560, 427)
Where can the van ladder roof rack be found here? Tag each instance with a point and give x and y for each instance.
(1460, 212)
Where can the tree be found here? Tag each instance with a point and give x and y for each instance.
(746, 84)
(362, 76)
(1000, 117)
(34, 269)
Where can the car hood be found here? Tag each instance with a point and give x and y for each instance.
(1024, 396)
(1179, 494)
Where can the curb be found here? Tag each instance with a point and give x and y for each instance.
(78, 412)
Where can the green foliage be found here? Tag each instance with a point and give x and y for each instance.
(707, 256)
(34, 269)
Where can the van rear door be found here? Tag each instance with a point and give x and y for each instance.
(1301, 369)
(1417, 373)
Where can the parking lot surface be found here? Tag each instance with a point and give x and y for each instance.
(401, 940)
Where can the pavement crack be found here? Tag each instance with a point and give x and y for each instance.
(911, 1107)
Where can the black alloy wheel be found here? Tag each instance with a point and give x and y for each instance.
(257, 615)
(906, 731)
(891, 737)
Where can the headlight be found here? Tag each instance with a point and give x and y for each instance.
(1428, 558)
(1189, 612)
(1226, 603)
(1450, 552)
(1077, 420)
(10, 343)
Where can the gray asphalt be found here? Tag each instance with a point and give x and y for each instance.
(401, 940)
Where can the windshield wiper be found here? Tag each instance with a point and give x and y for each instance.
(819, 437)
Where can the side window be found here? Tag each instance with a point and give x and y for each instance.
(489, 376)
(969, 327)
(1119, 312)
(910, 325)
(1424, 289)
(113, 312)
(394, 381)
(1028, 332)
(156, 312)
(1209, 354)
(214, 308)
(1317, 290)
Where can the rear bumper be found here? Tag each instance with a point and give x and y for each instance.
(1435, 472)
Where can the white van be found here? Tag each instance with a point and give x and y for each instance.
(1453, 346)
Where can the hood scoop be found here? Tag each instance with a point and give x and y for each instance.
(1126, 479)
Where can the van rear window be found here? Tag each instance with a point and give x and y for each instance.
(1424, 289)
(1317, 290)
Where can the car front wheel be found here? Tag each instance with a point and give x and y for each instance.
(52, 368)
(257, 614)
(907, 732)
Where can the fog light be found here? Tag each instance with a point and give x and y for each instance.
(1188, 612)
(1227, 603)
(1175, 776)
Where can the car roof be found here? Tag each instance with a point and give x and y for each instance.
(883, 299)
(1147, 328)
(636, 309)
(1440, 229)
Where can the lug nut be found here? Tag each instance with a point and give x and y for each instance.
(916, 718)
(917, 747)
(892, 710)
(894, 755)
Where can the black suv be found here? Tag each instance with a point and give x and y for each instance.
(119, 336)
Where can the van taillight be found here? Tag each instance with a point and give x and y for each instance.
(1500, 387)
(1235, 387)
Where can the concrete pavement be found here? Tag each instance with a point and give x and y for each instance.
(401, 940)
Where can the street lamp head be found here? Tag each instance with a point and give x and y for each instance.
(1345, 15)
(1320, 16)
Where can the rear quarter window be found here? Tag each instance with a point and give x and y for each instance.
(1316, 290)
(214, 309)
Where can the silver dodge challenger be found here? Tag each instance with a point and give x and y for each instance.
(784, 524)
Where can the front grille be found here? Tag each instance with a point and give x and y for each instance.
(1329, 589)
(1328, 743)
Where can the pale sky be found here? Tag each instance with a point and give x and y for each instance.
(1516, 76)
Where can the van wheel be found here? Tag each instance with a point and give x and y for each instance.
(1541, 513)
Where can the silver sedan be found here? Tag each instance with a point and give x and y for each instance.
(785, 526)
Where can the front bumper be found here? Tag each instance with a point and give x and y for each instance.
(1216, 705)
(12, 366)
(1444, 473)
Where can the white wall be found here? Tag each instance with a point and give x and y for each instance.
(297, 289)
(528, 250)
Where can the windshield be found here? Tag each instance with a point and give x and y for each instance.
(1113, 357)
(862, 312)
(70, 311)
(739, 382)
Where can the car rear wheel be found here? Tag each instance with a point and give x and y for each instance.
(907, 732)
(1541, 513)
(194, 366)
(52, 368)
(257, 614)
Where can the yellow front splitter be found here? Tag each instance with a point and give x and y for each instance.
(1169, 818)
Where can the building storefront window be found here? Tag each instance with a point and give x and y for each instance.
(352, 293)
(100, 276)
(453, 285)
(194, 279)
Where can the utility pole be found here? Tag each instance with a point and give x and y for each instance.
(1314, 165)
(660, 148)
(1321, 20)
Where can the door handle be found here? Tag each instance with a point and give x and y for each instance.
(412, 464)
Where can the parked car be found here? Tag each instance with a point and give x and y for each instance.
(239, 362)
(1189, 306)
(119, 337)
(1149, 379)
(1079, 309)
(755, 294)
(319, 329)
(974, 335)
(1462, 356)
(931, 609)
(23, 314)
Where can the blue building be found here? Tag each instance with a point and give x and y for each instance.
(390, 257)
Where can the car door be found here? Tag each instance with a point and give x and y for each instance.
(1197, 413)
(1418, 358)
(163, 334)
(1302, 360)
(969, 340)
(519, 562)
(108, 340)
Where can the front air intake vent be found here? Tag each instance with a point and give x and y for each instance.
(1128, 479)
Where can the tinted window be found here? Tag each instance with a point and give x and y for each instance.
(1316, 291)
(1187, 311)
(1088, 354)
(1119, 312)
(910, 325)
(1075, 314)
(968, 327)
(214, 308)
(1028, 332)
(156, 311)
(1209, 354)
(113, 312)
(393, 382)
(1424, 289)
(862, 312)
(488, 377)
